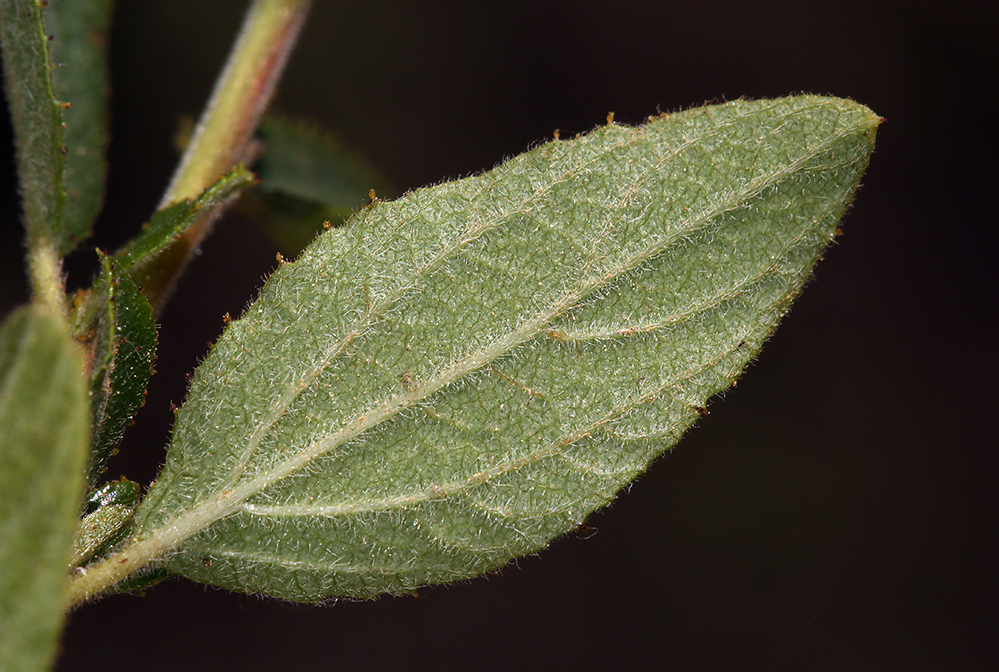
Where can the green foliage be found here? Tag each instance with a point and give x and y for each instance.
(139, 256)
(43, 458)
(459, 376)
(37, 121)
(449, 381)
(306, 177)
(107, 515)
(80, 30)
(116, 324)
(303, 161)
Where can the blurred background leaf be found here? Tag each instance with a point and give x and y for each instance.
(78, 48)
(308, 179)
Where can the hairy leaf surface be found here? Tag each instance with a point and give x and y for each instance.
(37, 120)
(459, 376)
(43, 457)
(78, 49)
(117, 327)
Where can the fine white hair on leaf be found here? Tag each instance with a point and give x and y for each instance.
(501, 354)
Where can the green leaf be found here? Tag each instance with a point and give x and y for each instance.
(78, 50)
(167, 224)
(120, 333)
(459, 376)
(147, 577)
(43, 457)
(107, 517)
(306, 177)
(303, 161)
(37, 121)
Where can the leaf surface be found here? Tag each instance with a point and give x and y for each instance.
(118, 328)
(43, 458)
(107, 515)
(37, 120)
(168, 223)
(78, 51)
(459, 376)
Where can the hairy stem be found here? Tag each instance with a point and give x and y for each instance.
(45, 271)
(141, 552)
(221, 138)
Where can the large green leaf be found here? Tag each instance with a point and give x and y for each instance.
(78, 50)
(37, 120)
(459, 376)
(43, 458)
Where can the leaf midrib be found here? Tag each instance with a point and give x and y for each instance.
(473, 232)
(439, 491)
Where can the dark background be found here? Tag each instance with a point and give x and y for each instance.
(837, 511)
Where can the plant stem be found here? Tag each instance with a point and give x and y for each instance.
(221, 138)
(45, 271)
(220, 142)
(140, 552)
(240, 96)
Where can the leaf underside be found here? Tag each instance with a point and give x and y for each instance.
(459, 376)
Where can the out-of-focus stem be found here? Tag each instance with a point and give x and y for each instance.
(221, 138)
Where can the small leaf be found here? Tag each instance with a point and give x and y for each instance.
(459, 376)
(120, 333)
(302, 161)
(37, 120)
(106, 520)
(43, 457)
(78, 51)
(167, 224)
(121, 493)
(306, 177)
